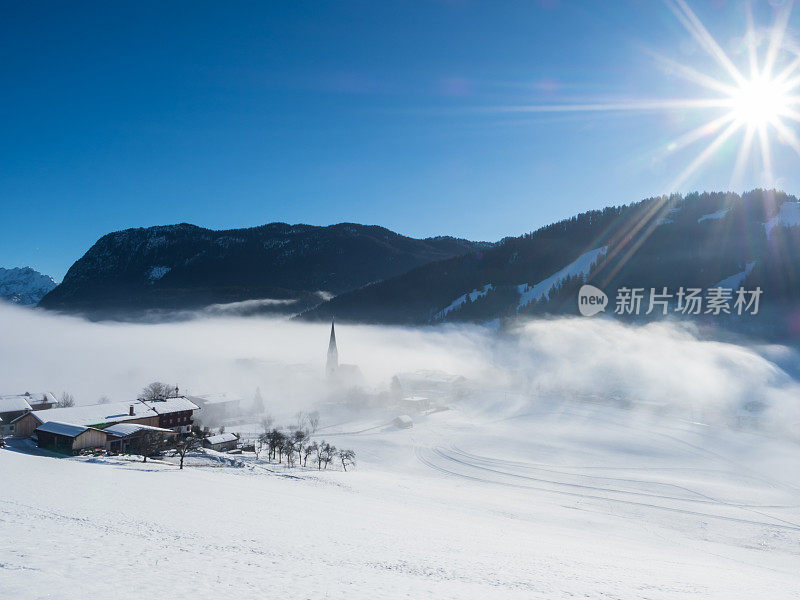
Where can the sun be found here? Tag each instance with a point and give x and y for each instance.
(760, 101)
(754, 107)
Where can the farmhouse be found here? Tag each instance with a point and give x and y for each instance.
(68, 438)
(172, 413)
(221, 442)
(94, 415)
(41, 400)
(11, 408)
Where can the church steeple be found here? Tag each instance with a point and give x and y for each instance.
(333, 354)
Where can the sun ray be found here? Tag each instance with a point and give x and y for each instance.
(705, 155)
(742, 157)
(776, 40)
(788, 136)
(632, 105)
(782, 77)
(750, 37)
(699, 133)
(766, 155)
(698, 31)
(695, 76)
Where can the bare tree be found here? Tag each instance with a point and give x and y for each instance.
(183, 444)
(274, 441)
(313, 421)
(325, 454)
(289, 449)
(149, 443)
(66, 400)
(299, 438)
(155, 391)
(308, 451)
(280, 445)
(261, 442)
(348, 457)
(104, 400)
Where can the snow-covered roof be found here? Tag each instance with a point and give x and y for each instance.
(126, 429)
(59, 428)
(95, 414)
(215, 399)
(40, 397)
(14, 403)
(221, 438)
(171, 405)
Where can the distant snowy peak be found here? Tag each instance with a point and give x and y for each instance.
(24, 285)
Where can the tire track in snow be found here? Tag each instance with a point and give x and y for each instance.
(420, 453)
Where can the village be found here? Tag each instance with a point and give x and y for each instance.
(163, 423)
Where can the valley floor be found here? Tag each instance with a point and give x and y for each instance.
(568, 501)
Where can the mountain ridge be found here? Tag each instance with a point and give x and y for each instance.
(188, 266)
(699, 239)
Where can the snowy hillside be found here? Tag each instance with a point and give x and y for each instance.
(24, 285)
(581, 266)
(569, 500)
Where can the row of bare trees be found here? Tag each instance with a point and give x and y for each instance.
(296, 447)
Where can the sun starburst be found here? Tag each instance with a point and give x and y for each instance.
(757, 106)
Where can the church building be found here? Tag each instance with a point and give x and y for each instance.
(342, 375)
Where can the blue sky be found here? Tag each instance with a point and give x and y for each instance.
(393, 113)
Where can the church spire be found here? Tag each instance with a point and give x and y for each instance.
(333, 354)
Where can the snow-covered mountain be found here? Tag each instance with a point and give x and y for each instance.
(698, 241)
(24, 285)
(187, 267)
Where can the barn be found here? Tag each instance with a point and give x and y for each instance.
(221, 442)
(126, 438)
(69, 439)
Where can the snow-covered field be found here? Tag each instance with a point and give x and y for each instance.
(561, 499)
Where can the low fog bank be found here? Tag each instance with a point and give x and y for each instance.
(655, 368)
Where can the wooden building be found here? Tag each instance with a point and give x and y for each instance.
(221, 442)
(94, 415)
(69, 439)
(127, 438)
(11, 408)
(173, 413)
